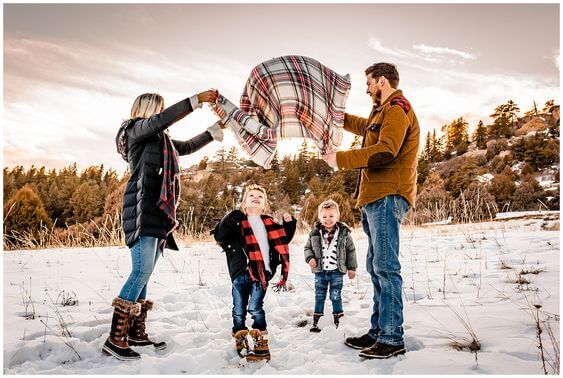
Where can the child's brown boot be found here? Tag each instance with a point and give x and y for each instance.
(241, 344)
(261, 350)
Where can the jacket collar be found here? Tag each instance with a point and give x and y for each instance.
(397, 93)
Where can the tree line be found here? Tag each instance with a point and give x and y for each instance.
(81, 206)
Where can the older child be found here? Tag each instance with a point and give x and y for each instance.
(330, 253)
(254, 245)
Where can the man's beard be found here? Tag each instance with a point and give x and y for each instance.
(377, 97)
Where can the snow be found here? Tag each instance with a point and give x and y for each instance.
(192, 293)
(442, 222)
(546, 181)
(485, 179)
(521, 214)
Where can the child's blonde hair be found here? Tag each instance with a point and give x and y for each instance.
(254, 187)
(328, 204)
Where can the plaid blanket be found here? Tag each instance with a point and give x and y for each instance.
(289, 96)
(277, 236)
(170, 188)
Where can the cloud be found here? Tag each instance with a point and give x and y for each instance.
(422, 52)
(472, 95)
(376, 45)
(444, 51)
(63, 102)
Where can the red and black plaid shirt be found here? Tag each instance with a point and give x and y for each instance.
(328, 235)
(276, 236)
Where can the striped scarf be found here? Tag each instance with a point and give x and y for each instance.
(289, 96)
(276, 236)
(170, 188)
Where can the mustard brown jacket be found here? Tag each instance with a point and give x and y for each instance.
(388, 156)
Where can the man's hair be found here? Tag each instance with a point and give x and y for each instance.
(254, 187)
(328, 204)
(388, 70)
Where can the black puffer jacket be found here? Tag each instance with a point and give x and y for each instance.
(140, 215)
(228, 234)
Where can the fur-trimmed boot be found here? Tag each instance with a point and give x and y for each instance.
(337, 317)
(137, 334)
(261, 350)
(116, 344)
(241, 343)
(315, 328)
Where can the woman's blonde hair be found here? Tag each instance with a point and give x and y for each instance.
(329, 204)
(254, 187)
(147, 105)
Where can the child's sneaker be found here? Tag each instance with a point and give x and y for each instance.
(261, 350)
(241, 343)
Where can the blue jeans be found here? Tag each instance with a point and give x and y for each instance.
(381, 220)
(144, 255)
(322, 281)
(248, 296)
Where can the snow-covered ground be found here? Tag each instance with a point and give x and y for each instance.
(468, 270)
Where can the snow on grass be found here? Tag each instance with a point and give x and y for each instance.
(454, 274)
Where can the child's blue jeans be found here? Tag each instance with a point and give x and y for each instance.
(323, 280)
(248, 296)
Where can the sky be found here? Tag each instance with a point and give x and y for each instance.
(72, 71)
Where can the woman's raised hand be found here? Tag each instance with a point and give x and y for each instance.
(208, 96)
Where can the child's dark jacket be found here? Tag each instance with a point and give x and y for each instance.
(228, 234)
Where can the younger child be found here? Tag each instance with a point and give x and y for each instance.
(254, 245)
(330, 253)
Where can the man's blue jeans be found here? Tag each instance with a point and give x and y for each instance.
(323, 280)
(144, 255)
(248, 296)
(381, 220)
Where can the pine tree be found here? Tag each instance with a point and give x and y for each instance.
(85, 202)
(435, 148)
(456, 136)
(503, 187)
(526, 196)
(232, 156)
(534, 111)
(512, 111)
(275, 163)
(220, 160)
(480, 136)
(504, 116)
(425, 154)
(202, 165)
(24, 214)
(547, 106)
(292, 183)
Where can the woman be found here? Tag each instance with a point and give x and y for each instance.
(149, 206)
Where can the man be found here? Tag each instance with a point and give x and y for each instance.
(386, 190)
